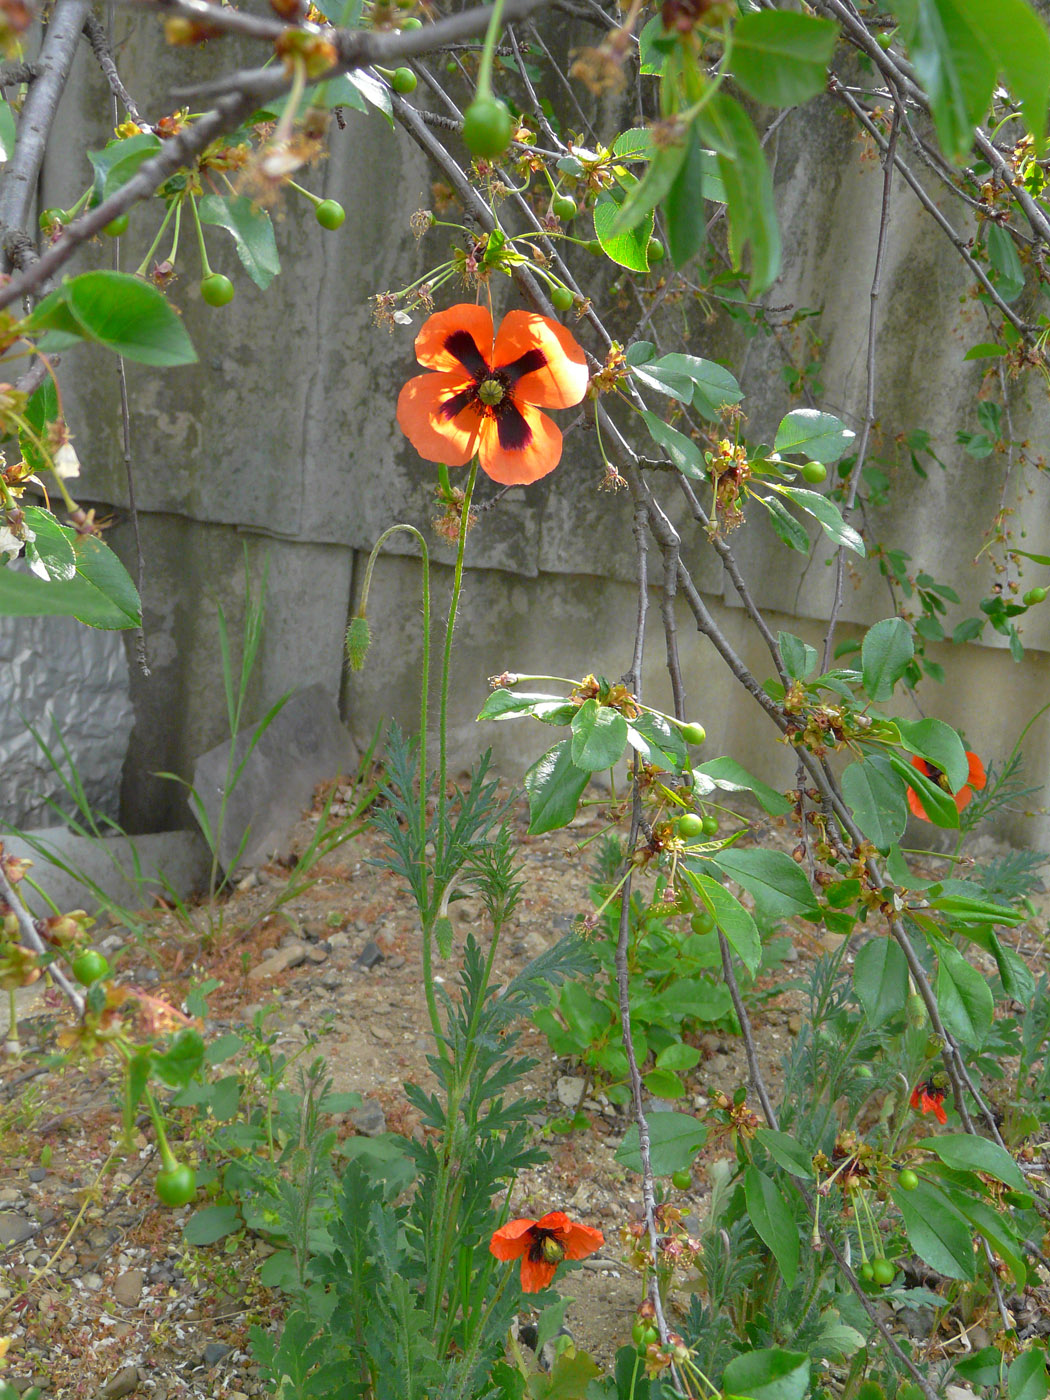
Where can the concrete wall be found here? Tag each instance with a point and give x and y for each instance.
(282, 441)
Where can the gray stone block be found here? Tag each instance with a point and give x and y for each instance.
(303, 745)
(82, 872)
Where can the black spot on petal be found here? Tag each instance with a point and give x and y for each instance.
(513, 431)
(462, 345)
(528, 363)
(456, 404)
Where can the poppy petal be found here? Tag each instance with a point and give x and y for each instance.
(535, 1274)
(978, 777)
(915, 806)
(432, 343)
(555, 1220)
(519, 447)
(512, 1240)
(580, 1240)
(561, 380)
(421, 414)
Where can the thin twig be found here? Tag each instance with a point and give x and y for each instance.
(101, 48)
(27, 931)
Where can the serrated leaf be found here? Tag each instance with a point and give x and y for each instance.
(674, 1141)
(730, 776)
(968, 1153)
(124, 313)
(773, 1220)
(963, 998)
(799, 657)
(777, 885)
(781, 58)
(787, 1152)
(875, 796)
(682, 451)
(937, 1232)
(880, 979)
(654, 185)
(768, 1374)
(115, 165)
(252, 231)
(210, 1224)
(730, 915)
(787, 528)
(827, 515)
(627, 246)
(726, 128)
(885, 654)
(938, 742)
(820, 437)
(554, 785)
(52, 547)
(599, 737)
(714, 387)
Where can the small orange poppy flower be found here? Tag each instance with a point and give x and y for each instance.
(928, 1098)
(487, 391)
(542, 1244)
(976, 779)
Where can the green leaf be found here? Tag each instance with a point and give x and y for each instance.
(875, 796)
(885, 655)
(628, 246)
(252, 231)
(339, 92)
(956, 69)
(1006, 265)
(937, 1232)
(781, 58)
(101, 595)
(678, 1056)
(666, 746)
(663, 1084)
(599, 736)
(819, 437)
(211, 1224)
(773, 1220)
(880, 979)
(654, 185)
(684, 213)
(938, 742)
(1026, 1378)
(181, 1060)
(1014, 973)
(554, 785)
(124, 313)
(769, 1374)
(119, 161)
(726, 128)
(787, 1152)
(8, 131)
(938, 806)
(986, 351)
(513, 704)
(375, 93)
(963, 997)
(828, 516)
(41, 410)
(682, 451)
(730, 916)
(968, 1153)
(713, 386)
(52, 549)
(778, 886)
(1018, 39)
(730, 776)
(799, 658)
(788, 530)
(674, 1141)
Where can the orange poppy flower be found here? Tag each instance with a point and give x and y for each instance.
(977, 779)
(487, 391)
(928, 1098)
(542, 1244)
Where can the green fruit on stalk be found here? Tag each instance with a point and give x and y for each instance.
(330, 214)
(176, 1185)
(564, 208)
(682, 1180)
(689, 825)
(89, 967)
(866, 1271)
(404, 81)
(907, 1180)
(562, 298)
(644, 1333)
(487, 128)
(117, 226)
(702, 923)
(883, 1271)
(217, 290)
(710, 825)
(693, 733)
(1033, 596)
(655, 251)
(815, 473)
(411, 23)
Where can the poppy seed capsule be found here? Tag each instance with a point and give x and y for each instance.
(553, 1252)
(490, 392)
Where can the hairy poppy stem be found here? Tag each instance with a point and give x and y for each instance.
(446, 665)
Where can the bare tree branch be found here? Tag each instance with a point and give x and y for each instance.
(97, 37)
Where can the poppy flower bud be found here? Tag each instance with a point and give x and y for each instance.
(358, 640)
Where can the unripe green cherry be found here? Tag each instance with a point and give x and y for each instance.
(682, 1180)
(689, 825)
(217, 290)
(562, 298)
(702, 923)
(89, 966)
(50, 217)
(487, 128)
(564, 207)
(404, 81)
(330, 214)
(644, 1333)
(117, 226)
(411, 23)
(693, 733)
(655, 251)
(1033, 596)
(176, 1185)
(884, 1271)
(815, 473)
(710, 825)
(866, 1271)
(907, 1180)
